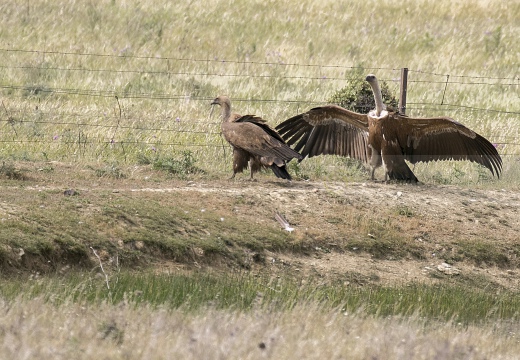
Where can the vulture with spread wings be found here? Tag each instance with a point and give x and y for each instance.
(383, 138)
(254, 142)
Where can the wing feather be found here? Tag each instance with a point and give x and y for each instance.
(293, 129)
(342, 145)
(300, 147)
(327, 130)
(252, 134)
(442, 138)
(315, 139)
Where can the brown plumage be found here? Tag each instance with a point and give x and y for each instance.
(383, 138)
(254, 142)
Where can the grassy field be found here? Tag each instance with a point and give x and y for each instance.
(164, 64)
(199, 316)
(157, 256)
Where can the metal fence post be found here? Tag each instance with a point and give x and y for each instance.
(403, 89)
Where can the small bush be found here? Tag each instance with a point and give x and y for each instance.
(182, 167)
(112, 171)
(295, 168)
(358, 96)
(9, 171)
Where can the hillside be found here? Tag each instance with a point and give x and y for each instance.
(359, 232)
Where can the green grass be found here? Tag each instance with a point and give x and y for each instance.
(243, 291)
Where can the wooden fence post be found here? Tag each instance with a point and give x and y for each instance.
(403, 89)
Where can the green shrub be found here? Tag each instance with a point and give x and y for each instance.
(358, 96)
(9, 171)
(182, 167)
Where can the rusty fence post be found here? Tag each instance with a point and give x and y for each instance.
(403, 89)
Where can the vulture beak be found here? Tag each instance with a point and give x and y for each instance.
(370, 78)
(216, 101)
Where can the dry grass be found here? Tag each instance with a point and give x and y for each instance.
(305, 332)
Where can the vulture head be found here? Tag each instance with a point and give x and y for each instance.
(378, 97)
(225, 104)
(221, 100)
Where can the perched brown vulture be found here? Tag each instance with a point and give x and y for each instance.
(383, 138)
(254, 142)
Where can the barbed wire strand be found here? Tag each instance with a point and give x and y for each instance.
(266, 76)
(36, 90)
(150, 96)
(243, 62)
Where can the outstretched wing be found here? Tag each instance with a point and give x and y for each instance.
(442, 138)
(252, 134)
(327, 130)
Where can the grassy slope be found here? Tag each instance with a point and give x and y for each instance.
(149, 215)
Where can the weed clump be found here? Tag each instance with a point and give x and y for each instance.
(358, 96)
(181, 167)
(11, 172)
(111, 171)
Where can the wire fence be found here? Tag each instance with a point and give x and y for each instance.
(42, 91)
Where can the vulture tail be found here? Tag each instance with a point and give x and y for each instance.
(402, 173)
(281, 172)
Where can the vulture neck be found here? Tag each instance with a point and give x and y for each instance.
(378, 97)
(226, 111)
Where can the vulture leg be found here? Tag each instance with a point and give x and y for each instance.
(251, 170)
(375, 161)
(255, 165)
(240, 161)
(395, 166)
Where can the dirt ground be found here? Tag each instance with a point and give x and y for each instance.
(432, 216)
(436, 225)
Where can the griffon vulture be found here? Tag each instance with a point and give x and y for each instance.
(254, 142)
(383, 138)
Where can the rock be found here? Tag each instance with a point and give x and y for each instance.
(448, 269)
